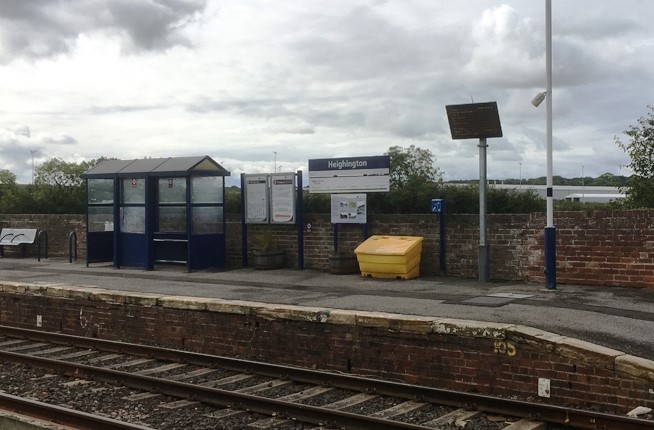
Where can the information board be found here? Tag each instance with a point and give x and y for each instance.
(349, 209)
(256, 199)
(282, 198)
(350, 174)
(474, 120)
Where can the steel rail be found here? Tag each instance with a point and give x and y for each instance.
(213, 396)
(59, 415)
(539, 411)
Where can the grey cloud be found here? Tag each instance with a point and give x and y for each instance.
(363, 45)
(62, 139)
(21, 130)
(43, 28)
(101, 110)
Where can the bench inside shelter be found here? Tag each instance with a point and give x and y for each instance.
(23, 237)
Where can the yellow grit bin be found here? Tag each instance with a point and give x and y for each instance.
(390, 256)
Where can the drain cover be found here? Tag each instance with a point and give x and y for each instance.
(511, 295)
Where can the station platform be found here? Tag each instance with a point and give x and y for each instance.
(613, 317)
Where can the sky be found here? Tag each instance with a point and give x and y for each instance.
(264, 85)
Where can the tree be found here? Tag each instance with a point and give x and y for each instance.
(59, 188)
(640, 149)
(7, 178)
(412, 166)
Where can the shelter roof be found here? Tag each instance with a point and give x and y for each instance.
(177, 166)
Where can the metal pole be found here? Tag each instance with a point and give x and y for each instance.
(483, 247)
(300, 221)
(441, 235)
(550, 231)
(244, 226)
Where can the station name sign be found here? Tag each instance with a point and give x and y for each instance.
(350, 174)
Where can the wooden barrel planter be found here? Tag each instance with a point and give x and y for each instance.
(343, 264)
(268, 259)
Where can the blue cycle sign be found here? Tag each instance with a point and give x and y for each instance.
(437, 206)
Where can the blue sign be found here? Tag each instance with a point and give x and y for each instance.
(437, 206)
(351, 163)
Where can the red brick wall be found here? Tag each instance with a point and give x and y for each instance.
(593, 248)
(498, 359)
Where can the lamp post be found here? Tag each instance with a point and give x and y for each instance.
(583, 189)
(550, 230)
(32, 151)
(275, 162)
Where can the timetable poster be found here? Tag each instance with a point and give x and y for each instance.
(282, 197)
(256, 199)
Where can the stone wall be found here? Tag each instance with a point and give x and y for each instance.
(593, 247)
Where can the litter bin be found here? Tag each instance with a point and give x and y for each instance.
(390, 256)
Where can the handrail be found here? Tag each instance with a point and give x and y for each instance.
(72, 239)
(38, 240)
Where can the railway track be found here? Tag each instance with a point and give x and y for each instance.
(233, 393)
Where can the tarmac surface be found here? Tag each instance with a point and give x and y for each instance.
(618, 318)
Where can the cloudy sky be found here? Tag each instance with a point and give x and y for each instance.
(242, 79)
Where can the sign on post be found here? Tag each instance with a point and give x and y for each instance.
(437, 206)
(477, 121)
(350, 175)
(474, 120)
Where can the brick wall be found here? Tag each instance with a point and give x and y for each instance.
(593, 247)
(57, 227)
(497, 359)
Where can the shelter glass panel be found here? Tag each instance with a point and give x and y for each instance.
(172, 190)
(207, 189)
(101, 191)
(172, 219)
(134, 190)
(208, 219)
(132, 219)
(101, 218)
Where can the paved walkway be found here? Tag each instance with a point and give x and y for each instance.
(619, 318)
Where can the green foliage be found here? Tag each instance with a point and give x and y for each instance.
(233, 200)
(459, 198)
(316, 203)
(514, 201)
(7, 178)
(59, 188)
(411, 167)
(640, 149)
(568, 206)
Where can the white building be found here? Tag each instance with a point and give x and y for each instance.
(575, 193)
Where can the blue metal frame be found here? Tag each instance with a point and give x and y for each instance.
(198, 251)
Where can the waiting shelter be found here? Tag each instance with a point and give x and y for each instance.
(156, 210)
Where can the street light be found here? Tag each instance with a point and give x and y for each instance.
(583, 189)
(550, 230)
(32, 151)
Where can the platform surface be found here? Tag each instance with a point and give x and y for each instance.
(618, 318)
